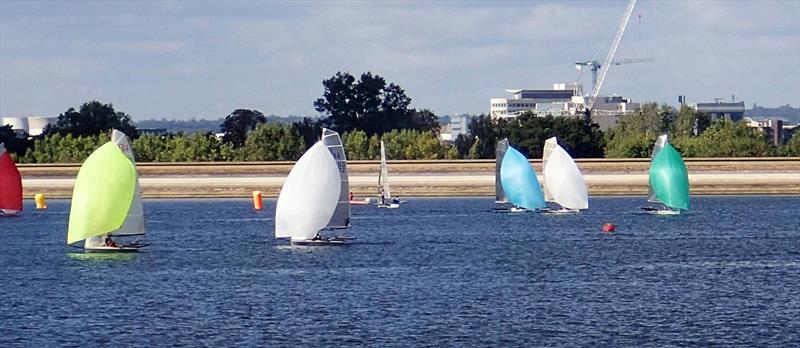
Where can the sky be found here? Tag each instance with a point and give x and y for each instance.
(203, 59)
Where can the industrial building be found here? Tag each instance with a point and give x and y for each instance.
(32, 126)
(733, 111)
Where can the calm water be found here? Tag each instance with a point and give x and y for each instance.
(435, 272)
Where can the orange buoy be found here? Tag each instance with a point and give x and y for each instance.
(258, 204)
(609, 227)
(41, 203)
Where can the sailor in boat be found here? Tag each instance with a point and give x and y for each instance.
(351, 195)
(396, 200)
(383, 198)
(110, 242)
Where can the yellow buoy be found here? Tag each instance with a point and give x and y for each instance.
(257, 202)
(41, 203)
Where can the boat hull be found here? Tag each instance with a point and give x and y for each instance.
(323, 241)
(108, 249)
(9, 213)
(389, 206)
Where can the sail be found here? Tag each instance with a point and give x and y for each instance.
(134, 223)
(341, 218)
(546, 152)
(383, 176)
(562, 178)
(500, 152)
(660, 142)
(102, 195)
(669, 178)
(519, 181)
(10, 183)
(309, 196)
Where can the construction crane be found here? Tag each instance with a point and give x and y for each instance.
(609, 57)
(594, 65)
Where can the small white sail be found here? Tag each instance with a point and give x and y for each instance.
(134, 223)
(309, 195)
(341, 217)
(383, 177)
(563, 178)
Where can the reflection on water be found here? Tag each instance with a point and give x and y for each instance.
(101, 257)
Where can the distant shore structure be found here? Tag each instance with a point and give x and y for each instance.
(564, 99)
(32, 125)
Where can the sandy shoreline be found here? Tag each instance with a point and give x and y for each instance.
(422, 184)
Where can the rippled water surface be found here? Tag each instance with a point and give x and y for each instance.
(434, 272)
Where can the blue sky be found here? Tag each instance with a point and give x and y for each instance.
(183, 59)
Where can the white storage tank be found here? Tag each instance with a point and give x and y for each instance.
(19, 124)
(36, 124)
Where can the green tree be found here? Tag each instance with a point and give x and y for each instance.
(528, 133)
(273, 142)
(56, 148)
(240, 123)
(725, 138)
(356, 145)
(310, 129)
(792, 147)
(92, 119)
(489, 131)
(15, 144)
(369, 104)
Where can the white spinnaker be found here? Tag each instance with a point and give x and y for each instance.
(564, 180)
(383, 180)
(661, 141)
(134, 223)
(309, 195)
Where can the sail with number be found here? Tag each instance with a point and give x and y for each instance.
(519, 181)
(10, 184)
(341, 217)
(563, 181)
(669, 179)
(310, 195)
(500, 152)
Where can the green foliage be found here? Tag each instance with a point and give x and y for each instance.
(371, 105)
(273, 142)
(728, 139)
(489, 131)
(792, 147)
(56, 148)
(238, 124)
(633, 145)
(310, 129)
(15, 144)
(529, 132)
(356, 145)
(690, 122)
(92, 119)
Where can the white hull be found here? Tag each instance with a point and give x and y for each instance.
(119, 249)
(389, 206)
(9, 212)
(562, 211)
(323, 241)
(662, 211)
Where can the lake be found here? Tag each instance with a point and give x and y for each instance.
(437, 271)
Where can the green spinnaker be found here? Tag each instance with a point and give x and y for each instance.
(102, 194)
(669, 179)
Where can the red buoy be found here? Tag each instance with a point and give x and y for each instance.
(609, 227)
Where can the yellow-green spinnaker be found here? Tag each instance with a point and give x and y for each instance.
(102, 194)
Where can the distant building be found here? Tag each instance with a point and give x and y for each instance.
(733, 111)
(563, 100)
(32, 126)
(459, 124)
(776, 130)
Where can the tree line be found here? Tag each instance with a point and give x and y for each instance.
(367, 109)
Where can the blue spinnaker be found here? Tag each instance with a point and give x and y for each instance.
(519, 181)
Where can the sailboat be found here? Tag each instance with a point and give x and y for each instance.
(10, 185)
(107, 200)
(563, 181)
(383, 184)
(669, 180)
(519, 182)
(314, 196)
(500, 152)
